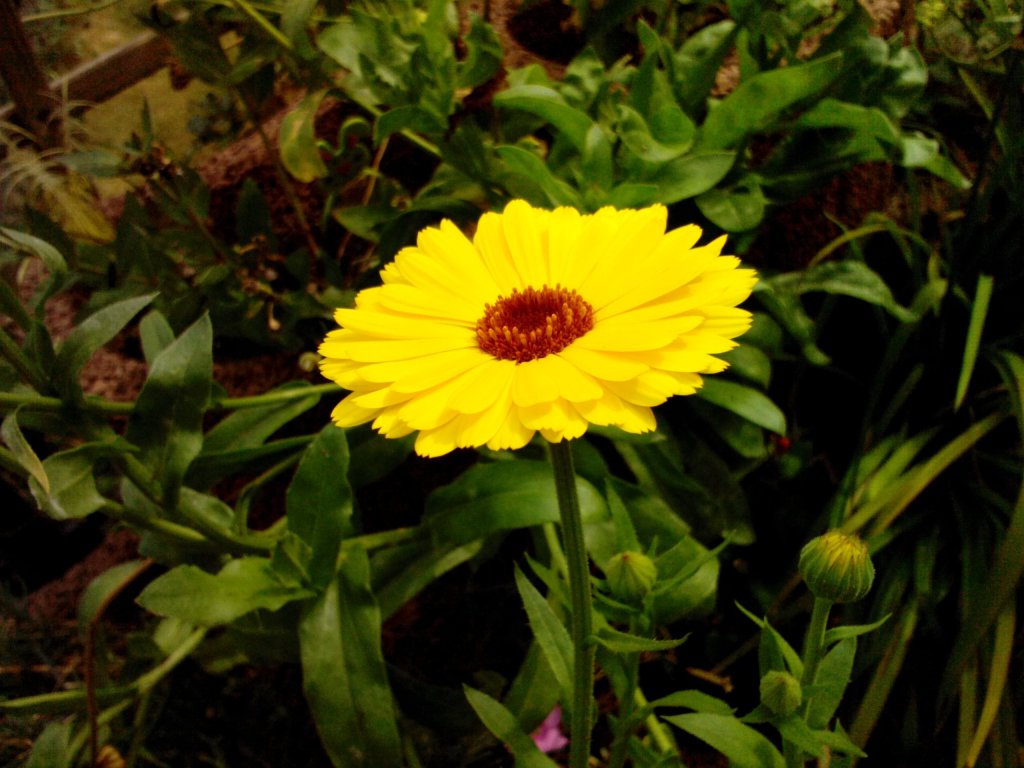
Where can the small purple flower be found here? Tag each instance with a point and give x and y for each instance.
(549, 737)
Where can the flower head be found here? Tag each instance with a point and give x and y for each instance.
(546, 321)
(837, 566)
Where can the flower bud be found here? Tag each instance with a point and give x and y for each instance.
(837, 567)
(781, 693)
(631, 575)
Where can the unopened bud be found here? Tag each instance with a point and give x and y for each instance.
(837, 567)
(631, 575)
(780, 692)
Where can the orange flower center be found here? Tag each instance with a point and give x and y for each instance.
(533, 323)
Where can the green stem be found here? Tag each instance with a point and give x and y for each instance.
(279, 396)
(25, 367)
(30, 401)
(62, 701)
(814, 644)
(182, 533)
(579, 592)
(660, 735)
(263, 23)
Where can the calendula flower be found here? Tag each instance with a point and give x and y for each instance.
(546, 321)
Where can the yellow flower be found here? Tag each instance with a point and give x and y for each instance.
(547, 321)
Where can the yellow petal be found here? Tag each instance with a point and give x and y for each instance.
(348, 414)
(511, 435)
(379, 351)
(491, 381)
(603, 366)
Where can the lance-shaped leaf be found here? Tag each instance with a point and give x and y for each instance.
(343, 671)
(320, 502)
(95, 331)
(168, 417)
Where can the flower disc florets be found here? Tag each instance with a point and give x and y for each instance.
(533, 323)
(546, 321)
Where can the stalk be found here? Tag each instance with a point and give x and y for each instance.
(580, 602)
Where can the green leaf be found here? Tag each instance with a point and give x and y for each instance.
(23, 452)
(71, 492)
(830, 682)
(695, 700)
(738, 209)
(549, 633)
(535, 690)
(639, 138)
(532, 179)
(250, 427)
(751, 363)
(300, 152)
(744, 401)
(744, 746)
(50, 256)
(193, 595)
(102, 587)
(496, 497)
(156, 335)
(483, 54)
(691, 175)
(409, 117)
(167, 421)
(343, 671)
(844, 631)
(52, 749)
(979, 309)
(549, 104)
(295, 16)
(833, 113)
(844, 278)
(698, 61)
(319, 502)
(630, 195)
(790, 314)
(409, 569)
(91, 334)
(624, 642)
(758, 102)
(504, 725)
(596, 162)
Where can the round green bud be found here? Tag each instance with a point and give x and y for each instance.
(631, 575)
(837, 567)
(781, 693)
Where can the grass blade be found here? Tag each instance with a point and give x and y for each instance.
(979, 309)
